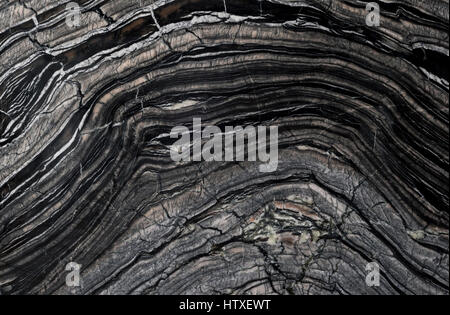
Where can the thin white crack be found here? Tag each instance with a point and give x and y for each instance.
(154, 18)
(4, 113)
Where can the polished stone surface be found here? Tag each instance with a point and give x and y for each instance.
(86, 175)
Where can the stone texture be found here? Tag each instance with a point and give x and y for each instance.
(86, 175)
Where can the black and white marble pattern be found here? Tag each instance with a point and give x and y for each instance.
(86, 175)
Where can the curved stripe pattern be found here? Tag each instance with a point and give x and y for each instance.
(85, 168)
